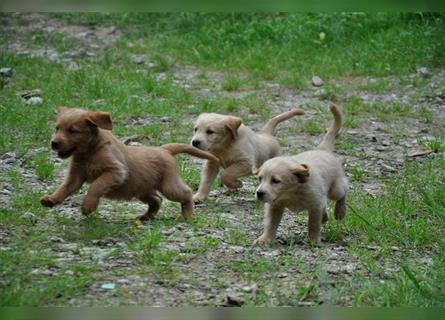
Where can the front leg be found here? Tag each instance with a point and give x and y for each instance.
(209, 173)
(272, 218)
(72, 184)
(316, 217)
(101, 186)
(231, 174)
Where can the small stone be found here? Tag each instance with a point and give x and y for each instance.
(27, 94)
(388, 168)
(233, 301)
(423, 72)
(316, 81)
(6, 72)
(385, 143)
(419, 153)
(69, 273)
(56, 239)
(138, 59)
(34, 101)
(73, 66)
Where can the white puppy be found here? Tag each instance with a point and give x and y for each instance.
(303, 182)
(237, 147)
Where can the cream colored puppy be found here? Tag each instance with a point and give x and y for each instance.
(237, 147)
(303, 182)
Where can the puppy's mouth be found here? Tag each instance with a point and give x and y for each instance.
(66, 153)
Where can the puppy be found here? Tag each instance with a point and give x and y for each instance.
(237, 147)
(303, 182)
(114, 170)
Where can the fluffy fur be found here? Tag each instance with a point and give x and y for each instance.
(115, 170)
(303, 182)
(236, 146)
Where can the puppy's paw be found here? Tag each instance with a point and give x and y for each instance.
(48, 201)
(236, 184)
(145, 217)
(198, 198)
(262, 241)
(182, 218)
(89, 206)
(315, 241)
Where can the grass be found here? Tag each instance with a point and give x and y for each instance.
(393, 240)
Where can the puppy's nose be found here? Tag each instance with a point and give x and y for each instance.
(196, 143)
(54, 145)
(260, 194)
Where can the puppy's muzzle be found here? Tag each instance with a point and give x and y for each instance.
(55, 145)
(260, 195)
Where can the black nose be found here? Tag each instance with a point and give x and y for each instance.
(260, 194)
(54, 145)
(196, 143)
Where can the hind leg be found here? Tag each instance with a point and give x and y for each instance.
(338, 193)
(174, 189)
(231, 174)
(154, 204)
(340, 208)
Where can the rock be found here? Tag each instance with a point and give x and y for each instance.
(388, 168)
(233, 301)
(6, 72)
(27, 94)
(34, 101)
(423, 72)
(385, 143)
(419, 153)
(316, 81)
(56, 239)
(73, 66)
(138, 59)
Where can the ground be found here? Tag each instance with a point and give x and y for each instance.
(389, 251)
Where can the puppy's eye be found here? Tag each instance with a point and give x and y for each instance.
(275, 181)
(195, 129)
(260, 178)
(210, 131)
(72, 130)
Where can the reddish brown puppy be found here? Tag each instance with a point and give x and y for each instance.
(115, 170)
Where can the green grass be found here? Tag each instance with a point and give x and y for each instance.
(395, 238)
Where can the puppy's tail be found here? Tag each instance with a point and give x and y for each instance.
(272, 123)
(328, 140)
(175, 148)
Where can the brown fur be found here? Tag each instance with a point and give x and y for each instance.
(115, 170)
(303, 182)
(237, 147)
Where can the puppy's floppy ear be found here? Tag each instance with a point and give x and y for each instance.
(232, 124)
(99, 119)
(302, 172)
(255, 170)
(61, 110)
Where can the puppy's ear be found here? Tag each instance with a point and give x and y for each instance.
(255, 170)
(302, 172)
(100, 119)
(61, 110)
(232, 124)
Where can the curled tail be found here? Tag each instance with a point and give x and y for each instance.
(272, 123)
(175, 148)
(328, 139)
